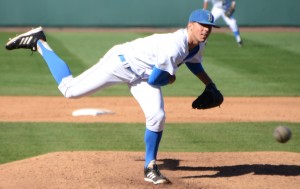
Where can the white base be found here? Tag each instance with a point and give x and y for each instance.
(90, 112)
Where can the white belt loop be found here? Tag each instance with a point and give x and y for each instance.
(139, 73)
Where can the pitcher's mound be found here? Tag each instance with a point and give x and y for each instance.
(117, 170)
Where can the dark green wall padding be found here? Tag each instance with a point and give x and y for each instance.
(138, 13)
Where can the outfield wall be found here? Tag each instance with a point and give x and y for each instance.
(132, 13)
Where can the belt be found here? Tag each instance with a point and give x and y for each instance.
(125, 64)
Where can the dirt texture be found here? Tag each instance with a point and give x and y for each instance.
(127, 110)
(115, 170)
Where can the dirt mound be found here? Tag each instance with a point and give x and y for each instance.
(111, 170)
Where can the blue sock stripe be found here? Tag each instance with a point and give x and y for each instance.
(236, 33)
(58, 68)
(152, 140)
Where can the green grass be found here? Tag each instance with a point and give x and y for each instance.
(268, 65)
(23, 140)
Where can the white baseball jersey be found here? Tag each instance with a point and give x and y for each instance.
(165, 51)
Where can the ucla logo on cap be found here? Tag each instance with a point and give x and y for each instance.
(210, 17)
(203, 17)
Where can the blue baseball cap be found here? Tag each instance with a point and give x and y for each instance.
(203, 17)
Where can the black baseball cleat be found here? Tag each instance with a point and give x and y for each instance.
(152, 174)
(26, 40)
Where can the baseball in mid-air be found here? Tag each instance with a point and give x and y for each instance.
(282, 134)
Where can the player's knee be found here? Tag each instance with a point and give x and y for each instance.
(68, 94)
(156, 121)
(65, 88)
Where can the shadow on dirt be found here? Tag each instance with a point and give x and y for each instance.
(234, 170)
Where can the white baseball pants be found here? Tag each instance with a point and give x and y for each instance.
(110, 70)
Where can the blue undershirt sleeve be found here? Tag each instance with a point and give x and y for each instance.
(196, 68)
(158, 77)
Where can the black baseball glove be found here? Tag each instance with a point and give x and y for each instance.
(229, 12)
(210, 98)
